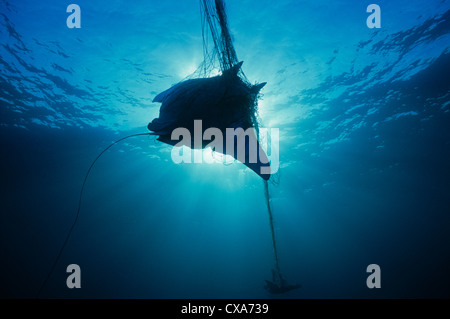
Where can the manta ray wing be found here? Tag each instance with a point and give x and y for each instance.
(222, 102)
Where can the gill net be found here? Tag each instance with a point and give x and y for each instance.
(219, 54)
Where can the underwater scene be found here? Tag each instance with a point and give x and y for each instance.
(348, 195)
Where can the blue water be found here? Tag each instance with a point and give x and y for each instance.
(364, 119)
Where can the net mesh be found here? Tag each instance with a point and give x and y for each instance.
(219, 54)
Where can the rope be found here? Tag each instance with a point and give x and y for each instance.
(272, 230)
(78, 210)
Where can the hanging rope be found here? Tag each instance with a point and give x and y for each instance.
(272, 229)
(214, 14)
(78, 211)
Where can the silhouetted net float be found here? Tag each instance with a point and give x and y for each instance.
(224, 101)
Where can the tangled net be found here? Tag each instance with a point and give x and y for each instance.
(222, 56)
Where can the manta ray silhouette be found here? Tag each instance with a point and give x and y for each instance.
(225, 102)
